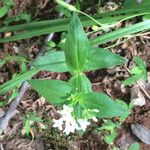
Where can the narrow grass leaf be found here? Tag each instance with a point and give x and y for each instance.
(132, 4)
(38, 28)
(13, 83)
(142, 26)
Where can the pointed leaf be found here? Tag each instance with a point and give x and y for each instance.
(54, 91)
(139, 62)
(27, 126)
(132, 79)
(53, 61)
(81, 83)
(4, 10)
(7, 2)
(77, 46)
(107, 107)
(101, 58)
(136, 70)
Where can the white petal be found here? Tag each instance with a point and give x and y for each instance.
(94, 119)
(96, 110)
(83, 124)
(69, 129)
(66, 109)
(58, 123)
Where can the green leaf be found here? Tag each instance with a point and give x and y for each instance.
(53, 61)
(7, 2)
(2, 62)
(110, 138)
(139, 62)
(132, 79)
(13, 83)
(122, 104)
(34, 117)
(54, 91)
(108, 125)
(12, 58)
(4, 10)
(66, 5)
(116, 148)
(22, 16)
(134, 146)
(81, 83)
(136, 70)
(63, 10)
(15, 58)
(38, 28)
(27, 120)
(62, 24)
(146, 17)
(107, 107)
(101, 58)
(27, 126)
(3, 103)
(77, 46)
(142, 26)
(125, 106)
(133, 3)
(145, 75)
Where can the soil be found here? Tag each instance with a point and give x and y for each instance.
(104, 80)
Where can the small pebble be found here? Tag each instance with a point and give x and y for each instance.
(141, 132)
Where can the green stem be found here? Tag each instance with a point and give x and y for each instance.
(100, 24)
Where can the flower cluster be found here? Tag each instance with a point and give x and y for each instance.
(67, 122)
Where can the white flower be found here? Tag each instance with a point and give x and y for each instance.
(70, 126)
(67, 119)
(83, 124)
(67, 122)
(58, 123)
(66, 110)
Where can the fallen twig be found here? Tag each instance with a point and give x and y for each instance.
(11, 111)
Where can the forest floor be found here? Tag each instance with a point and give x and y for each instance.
(42, 135)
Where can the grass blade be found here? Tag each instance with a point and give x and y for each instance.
(145, 25)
